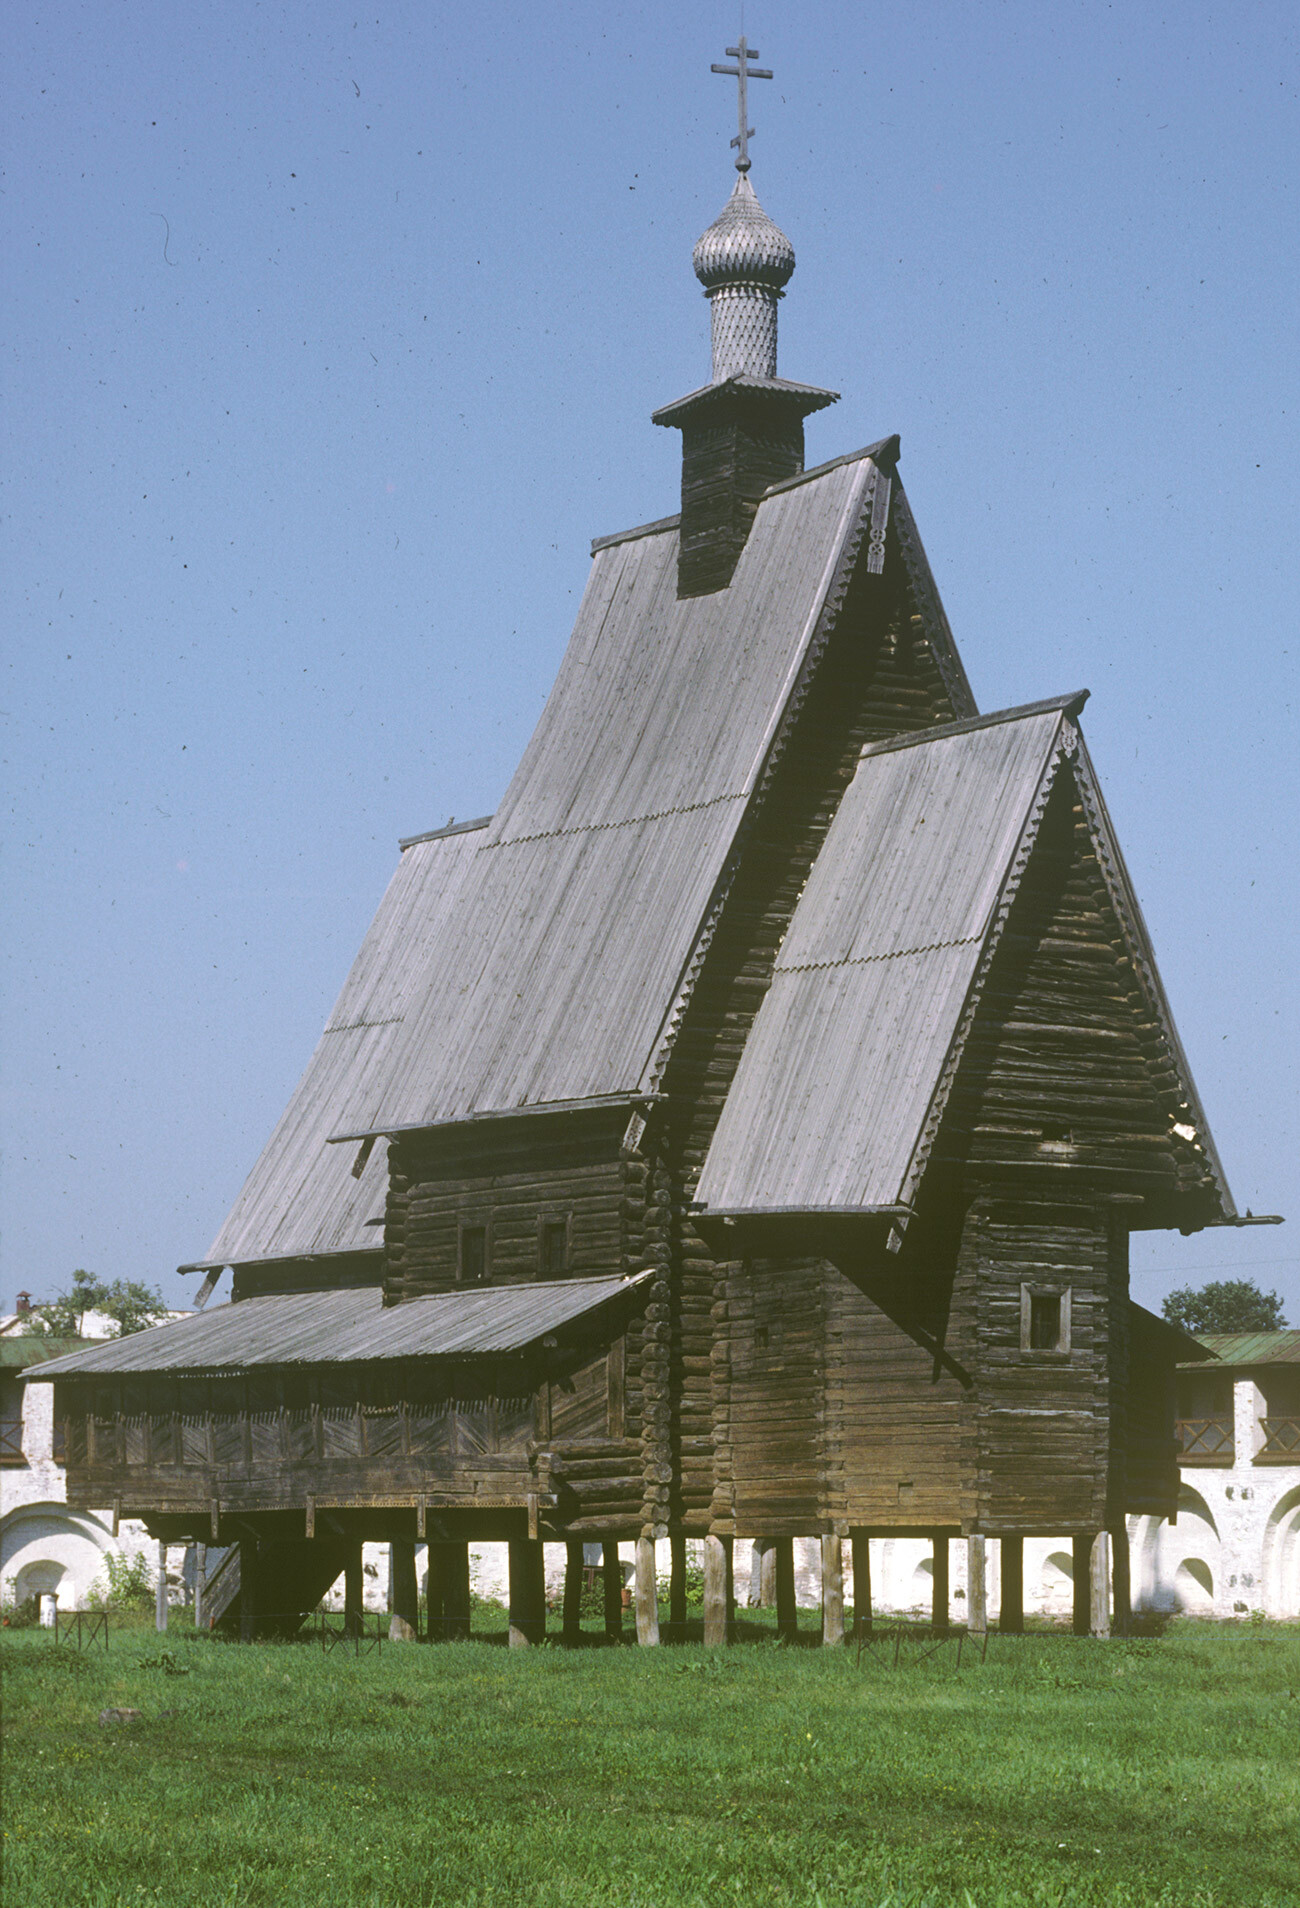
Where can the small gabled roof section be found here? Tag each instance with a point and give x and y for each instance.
(353, 1325)
(846, 1073)
(304, 1197)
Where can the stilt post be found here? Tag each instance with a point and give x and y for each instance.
(1011, 1615)
(860, 1552)
(677, 1589)
(940, 1590)
(716, 1609)
(977, 1587)
(1099, 1585)
(1121, 1578)
(832, 1590)
(249, 1608)
(353, 1591)
(787, 1615)
(612, 1574)
(404, 1624)
(200, 1585)
(573, 1571)
(1081, 1553)
(647, 1593)
(527, 1592)
(454, 1569)
(160, 1591)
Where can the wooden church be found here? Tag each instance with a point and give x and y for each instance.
(738, 1133)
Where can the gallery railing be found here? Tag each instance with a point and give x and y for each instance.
(1206, 1439)
(11, 1441)
(1281, 1438)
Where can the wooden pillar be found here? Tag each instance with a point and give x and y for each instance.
(1011, 1615)
(860, 1551)
(249, 1608)
(573, 1572)
(453, 1568)
(353, 1591)
(1120, 1576)
(977, 1587)
(160, 1591)
(717, 1609)
(1099, 1584)
(435, 1595)
(200, 1585)
(832, 1590)
(647, 1593)
(1081, 1553)
(940, 1593)
(677, 1589)
(729, 1555)
(767, 1572)
(612, 1573)
(527, 1592)
(404, 1624)
(787, 1615)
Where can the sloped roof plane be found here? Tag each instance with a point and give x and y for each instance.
(556, 978)
(844, 1076)
(301, 1197)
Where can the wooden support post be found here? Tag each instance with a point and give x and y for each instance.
(1099, 1585)
(435, 1594)
(832, 1590)
(404, 1625)
(453, 1565)
(860, 1551)
(647, 1593)
(573, 1569)
(716, 1611)
(677, 1589)
(249, 1610)
(353, 1591)
(766, 1547)
(729, 1553)
(1081, 1553)
(612, 1574)
(1120, 1577)
(527, 1592)
(1011, 1615)
(160, 1591)
(977, 1588)
(940, 1593)
(787, 1615)
(200, 1585)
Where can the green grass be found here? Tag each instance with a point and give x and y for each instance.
(1056, 1772)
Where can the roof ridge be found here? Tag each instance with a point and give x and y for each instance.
(879, 453)
(624, 821)
(1067, 705)
(436, 834)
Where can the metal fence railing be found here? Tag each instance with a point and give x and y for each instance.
(81, 1629)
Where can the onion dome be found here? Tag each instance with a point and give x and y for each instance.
(743, 246)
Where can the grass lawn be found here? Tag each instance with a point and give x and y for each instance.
(1057, 1771)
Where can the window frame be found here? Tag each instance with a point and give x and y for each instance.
(1030, 1292)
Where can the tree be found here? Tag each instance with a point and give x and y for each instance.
(1225, 1305)
(133, 1307)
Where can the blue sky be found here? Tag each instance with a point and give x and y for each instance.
(331, 340)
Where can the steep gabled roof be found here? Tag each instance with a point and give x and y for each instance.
(302, 1197)
(559, 976)
(845, 1076)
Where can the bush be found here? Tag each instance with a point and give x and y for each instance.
(20, 1613)
(125, 1583)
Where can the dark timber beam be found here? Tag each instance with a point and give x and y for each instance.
(1081, 1556)
(1121, 1578)
(677, 1590)
(353, 1591)
(574, 1567)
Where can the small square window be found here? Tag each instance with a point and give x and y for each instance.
(1044, 1319)
(554, 1248)
(473, 1255)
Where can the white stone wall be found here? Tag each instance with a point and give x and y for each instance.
(44, 1546)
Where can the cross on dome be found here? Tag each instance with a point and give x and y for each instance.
(742, 72)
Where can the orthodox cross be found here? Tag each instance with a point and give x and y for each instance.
(742, 72)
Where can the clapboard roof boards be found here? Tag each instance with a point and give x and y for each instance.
(843, 1078)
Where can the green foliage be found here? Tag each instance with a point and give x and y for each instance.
(125, 1583)
(1225, 1305)
(19, 1613)
(1056, 1773)
(132, 1306)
